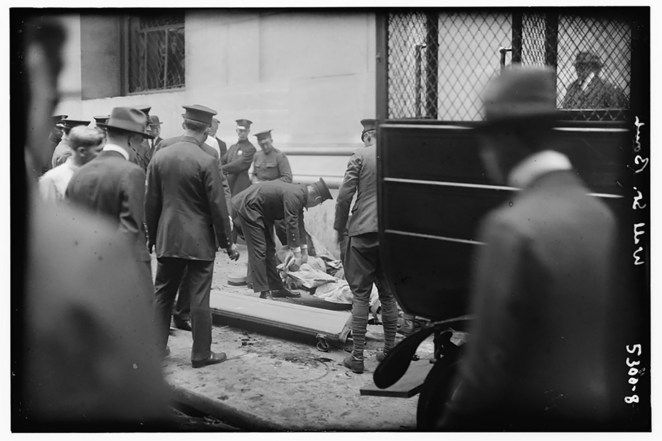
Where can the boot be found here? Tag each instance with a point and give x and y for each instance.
(381, 354)
(354, 364)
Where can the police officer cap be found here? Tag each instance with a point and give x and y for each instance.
(368, 124)
(71, 123)
(101, 119)
(244, 123)
(323, 190)
(199, 113)
(57, 119)
(263, 134)
(144, 108)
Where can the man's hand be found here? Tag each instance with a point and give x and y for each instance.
(298, 259)
(233, 253)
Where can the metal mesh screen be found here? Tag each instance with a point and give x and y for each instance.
(606, 45)
(156, 53)
(440, 62)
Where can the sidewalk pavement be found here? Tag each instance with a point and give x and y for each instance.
(272, 384)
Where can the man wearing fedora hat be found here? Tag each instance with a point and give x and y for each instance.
(187, 217)
(590, 91)
(239, 158)
(63, 149)
(361, 255)
(112, 186)
(541, 294)
(254, 212)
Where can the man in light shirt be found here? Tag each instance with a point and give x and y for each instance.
(86, 143)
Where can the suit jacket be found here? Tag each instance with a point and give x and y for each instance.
(185, 207)
(153, 144)
(211, 151)
(268, 201)
(360, 178)
(537, 357)
(235, 165)
(222, 146)
(598, 95)
(88, 344)
(111, 186)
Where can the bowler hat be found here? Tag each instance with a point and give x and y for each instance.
(323, 190)
(199, 113)
(263, 134)
(244, 123)
(368, 124)
(128, 119)
(154, 120)
(521, 93)
(588, 58)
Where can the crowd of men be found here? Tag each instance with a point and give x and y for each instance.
(536, 353)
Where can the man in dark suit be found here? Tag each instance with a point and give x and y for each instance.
(238, 160)
(254, 212)
(181, 316)
(213, 141)
(590, 91)
(537, 357)
(186, 218)
(361, 257)
(154, 129)
(110, 185)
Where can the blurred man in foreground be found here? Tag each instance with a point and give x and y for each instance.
(538, 352)
(83, 356)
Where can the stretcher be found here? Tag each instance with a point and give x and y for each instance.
(327, 328)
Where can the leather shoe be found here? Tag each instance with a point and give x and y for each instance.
(354, 364)
(182, 324)
(266, 295)
(285, 293)
(214, 358)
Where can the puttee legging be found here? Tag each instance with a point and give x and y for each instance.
(362, 269)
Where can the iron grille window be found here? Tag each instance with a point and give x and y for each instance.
(156, 53)
(439, 62)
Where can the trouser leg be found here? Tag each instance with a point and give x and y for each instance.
(145, 272)
(255, 235)
(273, 279)
(169, 272)
(182, 309)
(281, 231)
(200, 277)
(389, 307)
(361, 261)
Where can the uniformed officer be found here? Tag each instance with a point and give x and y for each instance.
(255, 210)
(270, 164)
(238, 160)
(186, 220)
(361, 258)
